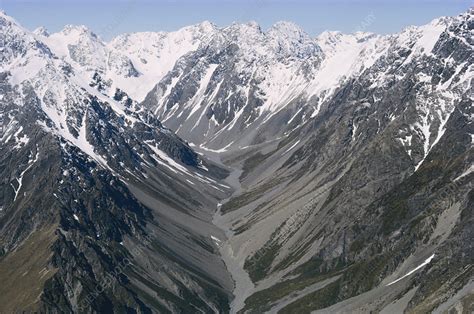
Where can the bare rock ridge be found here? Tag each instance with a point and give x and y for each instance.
(237, 170)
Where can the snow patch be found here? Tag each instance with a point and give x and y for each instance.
(291, 147)
(221, 150)
(20, 178)
(216, 240)
(406, 142)
(426, 262)
(85, 146)
(465, 173)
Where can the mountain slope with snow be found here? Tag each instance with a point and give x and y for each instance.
(247, 87)
(237, 169)
(99, 183)
(132, 62)
(330, 214)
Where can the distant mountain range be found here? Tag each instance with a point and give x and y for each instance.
(237, 170)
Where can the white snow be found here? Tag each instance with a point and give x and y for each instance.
(345, 56)
(465, 173)
(167, 161)
(154, 54)
(81, 141)
(216, 240)
(84, 144)
(406, 141)
(20, 178)
(439, 110)
(150, 55)
(8, 131)
(447, 84)
(221, 150)
(429, 35)
(162, 97)
(195, 103)
(236, 118)
(23, 71)
(354, 131)
(421, 39)
(424, 127)
(163, 159)
(295, 115)
(291, 147)
(426, 262)
(22, 141)
(201, 166)
(55, 92)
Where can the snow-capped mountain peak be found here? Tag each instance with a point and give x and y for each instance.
(4, 17)
(204, 27)
(153, 54)
(77, 30)
(289, 40)
(66, 92)
(288, 30)
(341, 149)
(41, 31)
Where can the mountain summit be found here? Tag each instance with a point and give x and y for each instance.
(237, 170)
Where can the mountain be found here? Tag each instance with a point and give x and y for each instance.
(237, 169)
(130, 62)
(335, 215)
(231, 89)
(92, 184)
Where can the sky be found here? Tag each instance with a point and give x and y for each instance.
(108, 18)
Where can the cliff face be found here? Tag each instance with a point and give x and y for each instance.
(255, 171)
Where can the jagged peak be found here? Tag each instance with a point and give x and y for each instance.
(206, 25)
(244, 27)
(134, 35)
(6, 19)
(329, 35)
(202, 27)
(289, 29)
(467, 16)
(363, 35)
(335, 37)
(10, 25)
(41, 31)
(4, 15)
(253, 24)
(79, 30)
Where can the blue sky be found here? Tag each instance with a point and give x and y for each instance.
(108, 18)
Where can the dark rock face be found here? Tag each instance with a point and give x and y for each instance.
(337, 189)
(364, 197)
(49, 182)
(91, 181)
(216, 94)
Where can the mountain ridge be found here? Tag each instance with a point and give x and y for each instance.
(261, 172)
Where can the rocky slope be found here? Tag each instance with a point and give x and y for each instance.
(368, 205)
(329, 174)
(98, 185)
